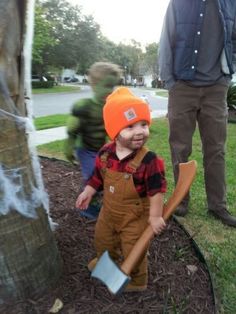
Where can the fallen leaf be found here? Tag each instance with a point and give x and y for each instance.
(192, 268)
(57, 306)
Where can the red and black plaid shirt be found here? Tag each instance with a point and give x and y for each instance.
(149, 177)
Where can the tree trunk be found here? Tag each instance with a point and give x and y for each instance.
(29, 258)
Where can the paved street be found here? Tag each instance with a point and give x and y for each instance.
(48, 104)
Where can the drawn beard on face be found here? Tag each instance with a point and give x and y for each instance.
(132, 143)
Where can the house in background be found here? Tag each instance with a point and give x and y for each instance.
(147, 80)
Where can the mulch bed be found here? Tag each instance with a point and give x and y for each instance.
(179, 281)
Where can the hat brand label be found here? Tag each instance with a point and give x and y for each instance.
(130, 114)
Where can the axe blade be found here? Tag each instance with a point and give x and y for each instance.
(110, 274)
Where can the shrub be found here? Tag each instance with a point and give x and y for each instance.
(157, 83)
(154, 83)
(231, 102)
(231, 97)
(42, 84)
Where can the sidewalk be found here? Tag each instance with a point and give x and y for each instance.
(54, 134)
(50, 135)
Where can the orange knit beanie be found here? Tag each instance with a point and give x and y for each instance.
(122, 109)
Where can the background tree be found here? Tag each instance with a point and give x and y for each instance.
(29, 259)
(150, 59)
(76, 40)
(43, 39)
(76, 36)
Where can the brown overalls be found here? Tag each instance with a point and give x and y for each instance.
(124, 216)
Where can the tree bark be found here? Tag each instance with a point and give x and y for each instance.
(29, 259)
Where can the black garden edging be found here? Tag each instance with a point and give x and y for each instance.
(201, 258)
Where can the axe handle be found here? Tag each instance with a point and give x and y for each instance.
(187, 172)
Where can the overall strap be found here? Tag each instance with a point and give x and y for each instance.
(135, 163)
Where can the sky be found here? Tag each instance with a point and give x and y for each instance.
(122, 20)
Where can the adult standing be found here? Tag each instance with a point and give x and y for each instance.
(197, 57)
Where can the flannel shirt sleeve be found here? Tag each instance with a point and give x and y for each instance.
(155, 177)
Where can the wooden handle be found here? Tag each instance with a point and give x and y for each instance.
(187, 172)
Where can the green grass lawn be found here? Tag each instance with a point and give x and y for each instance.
(162, 92)
(56, 89)
(49, 122)
(216, 241)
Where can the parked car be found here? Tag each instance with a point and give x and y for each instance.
(38, 78)
(71, 79)
(38, 81)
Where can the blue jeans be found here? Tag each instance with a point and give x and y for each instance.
(87, 162)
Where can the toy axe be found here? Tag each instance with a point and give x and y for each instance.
(116, 278)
